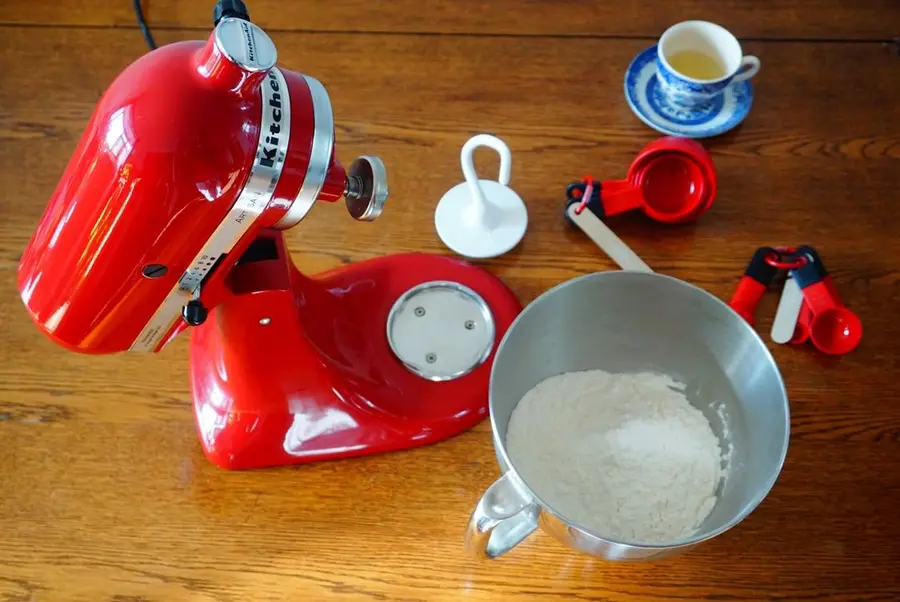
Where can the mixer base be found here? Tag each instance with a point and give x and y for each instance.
(294, 369)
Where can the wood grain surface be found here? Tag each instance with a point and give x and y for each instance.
(799, 19)
(104, 492)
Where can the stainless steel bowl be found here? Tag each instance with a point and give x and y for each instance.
(629, 322)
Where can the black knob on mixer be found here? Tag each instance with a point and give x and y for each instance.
(230, 8)
(194, 313)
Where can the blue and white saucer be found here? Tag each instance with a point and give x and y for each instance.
(645, 98)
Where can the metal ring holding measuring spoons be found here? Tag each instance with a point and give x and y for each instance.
(776, 259)
(482, 218)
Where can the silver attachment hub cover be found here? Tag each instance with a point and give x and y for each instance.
(245, 44)
(369, 188)
(441, 330)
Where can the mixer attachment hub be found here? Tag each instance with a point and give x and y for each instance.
(366, 189)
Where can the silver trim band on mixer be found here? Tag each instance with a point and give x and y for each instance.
(271, 150)
(319, 155)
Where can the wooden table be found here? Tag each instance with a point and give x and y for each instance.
(104, 492)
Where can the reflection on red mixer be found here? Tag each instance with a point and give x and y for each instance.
(168, 216)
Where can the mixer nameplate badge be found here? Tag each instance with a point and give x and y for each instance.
(271, 150)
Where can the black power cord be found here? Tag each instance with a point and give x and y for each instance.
(223, 8)
(230, 8)
(142, 23)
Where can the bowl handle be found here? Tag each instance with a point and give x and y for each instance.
(504, 517)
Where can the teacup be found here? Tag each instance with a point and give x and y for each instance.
(697, 60)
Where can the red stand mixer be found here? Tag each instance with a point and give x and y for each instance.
(169, 217)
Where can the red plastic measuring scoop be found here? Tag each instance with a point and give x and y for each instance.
(801, 329)
(835, 330)
(832, 327)
(672, 180)
(804, 320)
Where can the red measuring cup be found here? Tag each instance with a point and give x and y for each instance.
(672, 180)
(831, 326)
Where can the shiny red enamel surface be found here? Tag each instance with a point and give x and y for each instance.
(162, 160)
(286, 368)
(833, 328)
(293, 369)
(746, 297)
(801, 329)
(155, 171)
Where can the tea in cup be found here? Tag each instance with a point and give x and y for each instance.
(697, 60)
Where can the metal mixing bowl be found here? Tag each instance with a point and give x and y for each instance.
(628, 322)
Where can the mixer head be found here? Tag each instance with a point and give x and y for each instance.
(192, 151)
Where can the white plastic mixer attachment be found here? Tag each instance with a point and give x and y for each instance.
(482, 218)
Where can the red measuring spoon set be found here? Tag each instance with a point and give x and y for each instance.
(823, 319)
(673, 180)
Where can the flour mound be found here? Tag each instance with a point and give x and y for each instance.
(624, 455)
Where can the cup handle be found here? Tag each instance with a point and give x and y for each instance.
(749, 67)
(504, 517)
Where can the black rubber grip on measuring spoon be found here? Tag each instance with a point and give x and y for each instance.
(759, 269)
(574, 198)
(812, 271)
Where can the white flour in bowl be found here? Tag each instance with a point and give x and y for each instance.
(623, 455)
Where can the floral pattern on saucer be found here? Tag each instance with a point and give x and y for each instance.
(646, 99)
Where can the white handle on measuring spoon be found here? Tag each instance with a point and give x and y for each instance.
(607, 240)
(788, 312)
